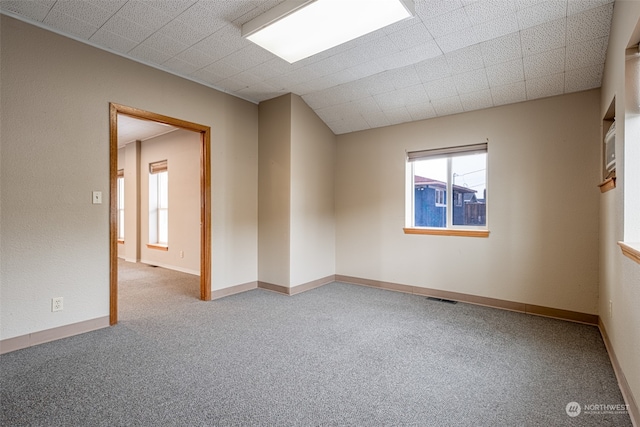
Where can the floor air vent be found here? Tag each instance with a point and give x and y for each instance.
(442, 300)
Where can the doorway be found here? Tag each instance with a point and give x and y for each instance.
(205, 198)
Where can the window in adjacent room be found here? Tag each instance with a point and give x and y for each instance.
(447, 191)
(120, 197)
(158, 205)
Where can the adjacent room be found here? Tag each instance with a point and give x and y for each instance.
(433, 221)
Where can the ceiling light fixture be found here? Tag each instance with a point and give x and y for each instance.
(297, 29)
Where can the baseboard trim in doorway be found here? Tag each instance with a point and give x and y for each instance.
(574, 316)
(41, 337)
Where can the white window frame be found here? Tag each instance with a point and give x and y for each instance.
(158, 205)
(449, 154)
(120, 204)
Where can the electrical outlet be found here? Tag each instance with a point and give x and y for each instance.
(56, 304)
(181, 254)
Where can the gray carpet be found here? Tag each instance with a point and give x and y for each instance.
(339, 355)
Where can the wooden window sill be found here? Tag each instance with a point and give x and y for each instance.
(447, 232)
(631, 250)
(607, 184)
(158, 246)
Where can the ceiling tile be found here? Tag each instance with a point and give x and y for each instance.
(179, 32)
(29, 9)
(412, 36)
(591, 52)
(463, 60)
(482, 52)
(421, 111)
(432, 8)
(433, 69)
(128, 29)
(502, 26)
(69, 24)
(544, 64)
(148, 55)
(547, 36)
(591, 24)
(442, 88)
(448, 23)
(476, 100)
(144, 15)
(113, 41)
(471, 81)
(179, 66)
(541, 12)
(457, 40)
(501, 49)
(583, 78)
(446, 106)
(170, 8)
(202, 18)
(195, 58)
(398, 115)
(484, 11)
(87, 12)
(162, 43)
(575, 7)
(505, 73)
(508, 94)
(545, 86)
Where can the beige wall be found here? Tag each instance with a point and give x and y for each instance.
(296, 196)
(542, 205)
(55, 107)
(181, 149)
(313, 150)
(619, 276)
(274, 191)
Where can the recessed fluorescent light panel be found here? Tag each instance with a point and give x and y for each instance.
(297, 29)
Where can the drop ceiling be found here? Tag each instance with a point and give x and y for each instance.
(453, 56)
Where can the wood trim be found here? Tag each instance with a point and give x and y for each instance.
(275, 288)
(157, 246)
(41, 337)
(630, 252)
(446, 232)
(205, 198)
(573, 316)
(205, 214)
(607, 184)
(113, 214)
(625, 389)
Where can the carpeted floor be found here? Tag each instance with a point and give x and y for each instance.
(339, 355)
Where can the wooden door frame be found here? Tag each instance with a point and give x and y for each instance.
(205, 198)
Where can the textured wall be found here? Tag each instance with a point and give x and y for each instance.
(55, 152)
(619, 276)
(542, 205)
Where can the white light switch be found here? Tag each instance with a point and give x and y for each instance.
(96, 197)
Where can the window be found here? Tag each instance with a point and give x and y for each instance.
(120, 196)
(447, 190)
(158, 204)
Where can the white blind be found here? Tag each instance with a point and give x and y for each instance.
(158, 167)
(462, 150)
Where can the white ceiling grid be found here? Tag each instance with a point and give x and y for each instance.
(453, 56)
